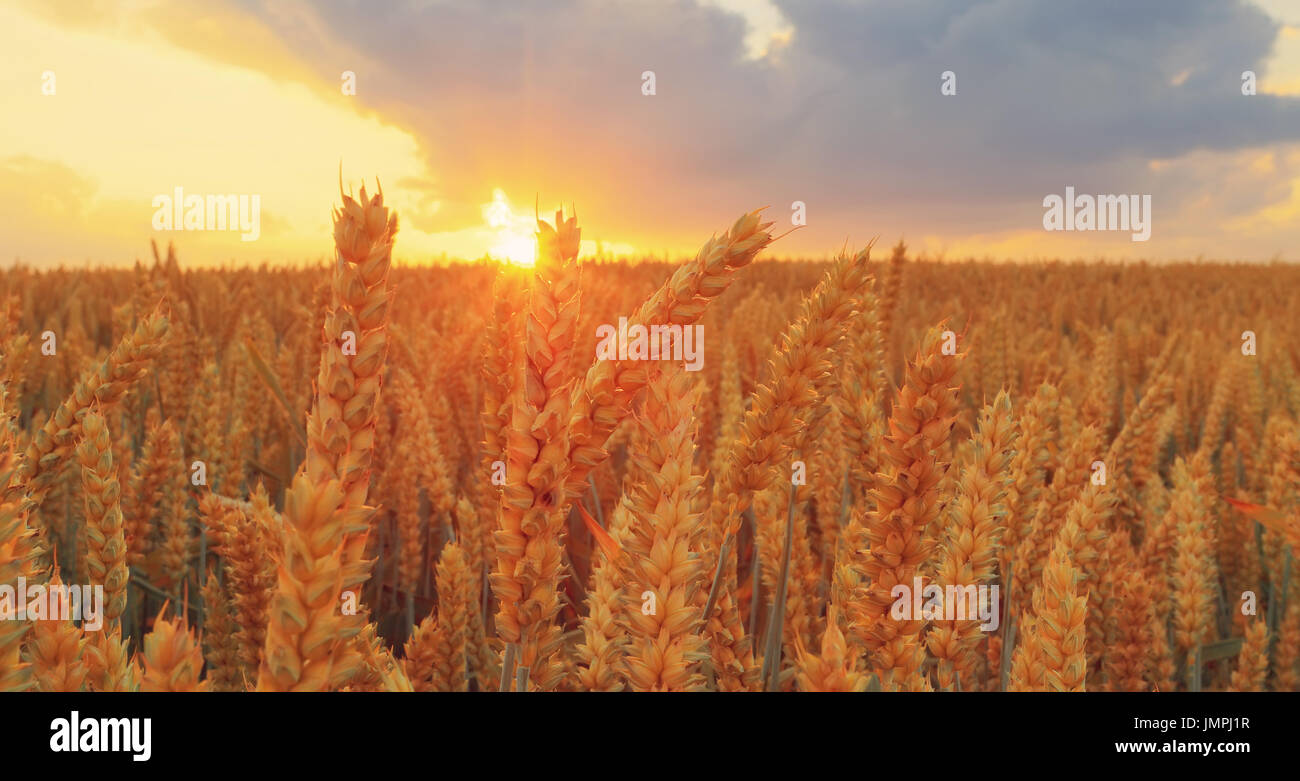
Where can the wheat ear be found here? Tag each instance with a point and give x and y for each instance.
(455, 595)
(172, 658)
(971, 539)
(105, 384)
(1052, 656)
(906, 503)
(55, 647)
(529, 539)
(833, 670)
(1252, 662)
(219, 635)
(664, 542)
(105, 537)
(353, 355)
(18, 559)
(309, 643)
(603, 397)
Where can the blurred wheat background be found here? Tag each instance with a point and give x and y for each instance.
(365, 477)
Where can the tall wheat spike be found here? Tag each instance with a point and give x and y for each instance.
(354, 349)
(970, 547)
(529, 539)
(773, 426)
(105, 536)
(664, 542)
(907, 502)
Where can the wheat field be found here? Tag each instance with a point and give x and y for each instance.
(371, 477)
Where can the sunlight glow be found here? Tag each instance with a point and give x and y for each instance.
(513, 238)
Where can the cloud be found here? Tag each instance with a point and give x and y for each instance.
(843, 112)
(46, 197)
(847, 116)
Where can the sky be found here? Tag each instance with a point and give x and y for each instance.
(474, 115)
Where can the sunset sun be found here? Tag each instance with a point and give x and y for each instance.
(512, 236)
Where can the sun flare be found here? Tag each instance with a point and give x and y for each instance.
(513, 239)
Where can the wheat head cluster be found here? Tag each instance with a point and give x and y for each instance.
(377, 478)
